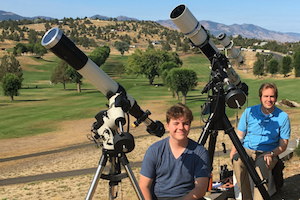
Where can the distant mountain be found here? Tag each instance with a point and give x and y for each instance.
(119, 18)
(101, 17)
(245, 30)
(9, 15)
(124, 18)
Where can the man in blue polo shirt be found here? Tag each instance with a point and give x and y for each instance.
(264, 131)
(176, 167)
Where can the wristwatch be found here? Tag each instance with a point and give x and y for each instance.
(272, 153)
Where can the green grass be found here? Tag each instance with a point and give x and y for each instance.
(40, 110)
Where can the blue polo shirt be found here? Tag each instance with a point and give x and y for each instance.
(264, 132)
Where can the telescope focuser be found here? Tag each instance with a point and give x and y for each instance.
(154, 128)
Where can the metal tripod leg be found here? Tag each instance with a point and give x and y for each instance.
(114, 178)
(101, 165)
(130, 174)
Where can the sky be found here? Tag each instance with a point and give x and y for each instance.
(276, 15)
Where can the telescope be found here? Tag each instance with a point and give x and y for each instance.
(64, 48)
(115, 144)
(222, 73)
(192, 29)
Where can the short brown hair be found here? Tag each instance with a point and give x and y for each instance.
(266, 86)
(179, 110)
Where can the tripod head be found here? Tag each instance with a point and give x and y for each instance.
(120, 102)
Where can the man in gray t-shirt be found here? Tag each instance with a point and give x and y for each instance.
(175, 167)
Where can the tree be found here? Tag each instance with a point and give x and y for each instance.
(296, 63)
(182, 80)
(19, 49)
(258, 68)
(9, 64)
(286, 65)
(99, 55)
(272, 66)
(11, 85)
(122, 47)
(47, 26)
(85, 42)
(148, 62)
(32, 36)
(119, 69)
(166, 46)
(165, 68)
(59, 75)
(75, 77)
(185, 46)
(39, 50)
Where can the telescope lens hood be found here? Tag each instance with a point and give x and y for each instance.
(177, 11)
(51, 37)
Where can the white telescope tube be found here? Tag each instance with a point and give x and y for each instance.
(191, 28)
(64, 48)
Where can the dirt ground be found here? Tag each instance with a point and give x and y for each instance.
(88, 157)
(74, 133)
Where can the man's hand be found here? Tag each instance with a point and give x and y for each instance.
(240, 135)
(232, 152)
(268, 157)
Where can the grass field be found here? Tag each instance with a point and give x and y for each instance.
(41, 106)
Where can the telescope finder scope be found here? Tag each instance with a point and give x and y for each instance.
(229, 45)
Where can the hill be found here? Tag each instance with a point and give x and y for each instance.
(99, 32)
(245, 30)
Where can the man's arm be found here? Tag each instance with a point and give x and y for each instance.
(278, 150)
(145, 186)
(240, 135)
(200, 189)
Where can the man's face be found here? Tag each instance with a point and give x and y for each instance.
(179, 128)
(268, 99)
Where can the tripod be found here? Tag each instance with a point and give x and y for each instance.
(218, 120)
(114, 175)
(115, 146)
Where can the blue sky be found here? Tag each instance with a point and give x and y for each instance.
(276, 15)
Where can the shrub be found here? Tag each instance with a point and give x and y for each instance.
(297, 150)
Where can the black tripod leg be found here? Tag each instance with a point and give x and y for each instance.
(245, 158)
(102, 163)
(206, 131)
(211, 147)
(130, 174)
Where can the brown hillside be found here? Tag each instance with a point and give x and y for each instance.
(139, 37)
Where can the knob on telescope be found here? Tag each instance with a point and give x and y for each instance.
(235, 98)
(123, 142)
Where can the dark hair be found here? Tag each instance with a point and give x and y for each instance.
(266, 86)
(179, 110)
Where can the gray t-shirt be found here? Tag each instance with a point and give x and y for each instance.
(175, 177)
